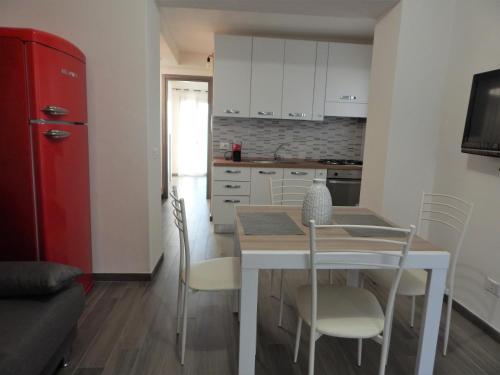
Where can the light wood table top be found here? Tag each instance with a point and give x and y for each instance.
(301, 242)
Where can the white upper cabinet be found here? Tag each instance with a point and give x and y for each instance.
(298, 79)
(348, 79)
(232, 73)
(320, 81)
(267, 77)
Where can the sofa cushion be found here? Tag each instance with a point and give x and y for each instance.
(32, 330)
(34, 278)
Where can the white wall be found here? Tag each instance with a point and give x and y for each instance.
(153, 88)
(441, 44)
(182, 63)
(383, 71)
(474, 48)
(121, 108)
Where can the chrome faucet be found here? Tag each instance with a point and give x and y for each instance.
(275, 153)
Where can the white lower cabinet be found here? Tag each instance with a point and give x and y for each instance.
(223, 208)
(244, 185)
(260, 189)
(230, 186)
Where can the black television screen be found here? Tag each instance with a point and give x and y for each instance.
(482, 126)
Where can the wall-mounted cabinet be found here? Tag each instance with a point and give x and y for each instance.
(348, 79)
(267, 77)
(298, 79)
(320, 81)
(290, 79)
(232, 74)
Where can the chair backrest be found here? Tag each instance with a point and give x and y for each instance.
(288, 192)
(451, 212)
(364, 258)
(179, 213)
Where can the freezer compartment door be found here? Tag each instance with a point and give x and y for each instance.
(57, 85)
(62, 180)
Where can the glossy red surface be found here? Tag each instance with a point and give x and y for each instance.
(44, 182)
(62, 179)
(17, 203)
(56, 79)
(42, 37)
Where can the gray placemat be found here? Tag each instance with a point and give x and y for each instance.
(270, 223)
(365, 219)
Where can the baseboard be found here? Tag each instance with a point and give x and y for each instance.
(476, 320)
(130, 276)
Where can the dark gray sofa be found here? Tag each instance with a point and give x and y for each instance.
(36, 332)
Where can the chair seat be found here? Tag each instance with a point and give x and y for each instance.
(412, 281)
(215, 274)
(342, 311)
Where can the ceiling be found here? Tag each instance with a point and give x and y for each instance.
(189, 25)
(329, 8)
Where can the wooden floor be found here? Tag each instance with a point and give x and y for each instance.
(129, 327)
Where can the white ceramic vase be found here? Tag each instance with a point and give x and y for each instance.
(317, 204)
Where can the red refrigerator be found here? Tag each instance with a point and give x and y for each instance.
(44, 167)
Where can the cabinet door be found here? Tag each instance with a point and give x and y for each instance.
(298, 79)
(320, 81)
(348, 73)
(232, 69)
(260, 189)
(223, 208)
(267, 77)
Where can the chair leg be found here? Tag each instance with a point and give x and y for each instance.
(383, 356)
(297, 340)
(360, 351)
(282, 295)
(312, 349)
(412, 318)
(272, 282)
(180, 303)
(184, 324)
(449, 306)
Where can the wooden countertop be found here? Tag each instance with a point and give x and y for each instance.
(284, 163)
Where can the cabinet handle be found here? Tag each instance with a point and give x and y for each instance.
(232, 186)
(56, 134)
(296, 114)
(231, 201)
(232, 111)
(267, 172)
(232, 171)
(347, 97)
(265, 113)
(298, 173)
(54, 110)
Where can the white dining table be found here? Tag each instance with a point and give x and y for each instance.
(260, 252)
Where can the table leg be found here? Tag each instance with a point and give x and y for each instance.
(436, 282)
(248, 322)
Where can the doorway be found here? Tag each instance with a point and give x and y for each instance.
(186, 130)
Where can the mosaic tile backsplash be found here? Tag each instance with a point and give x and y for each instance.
(332, 138)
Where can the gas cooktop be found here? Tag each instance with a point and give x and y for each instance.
(341, 162)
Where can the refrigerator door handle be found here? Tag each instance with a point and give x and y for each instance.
(57, 134)
(54, 110)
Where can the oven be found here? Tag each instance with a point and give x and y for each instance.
(344, 186)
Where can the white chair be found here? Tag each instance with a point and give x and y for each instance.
(286, 192)
(350, 312)
(445, 211)
(208, 275)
